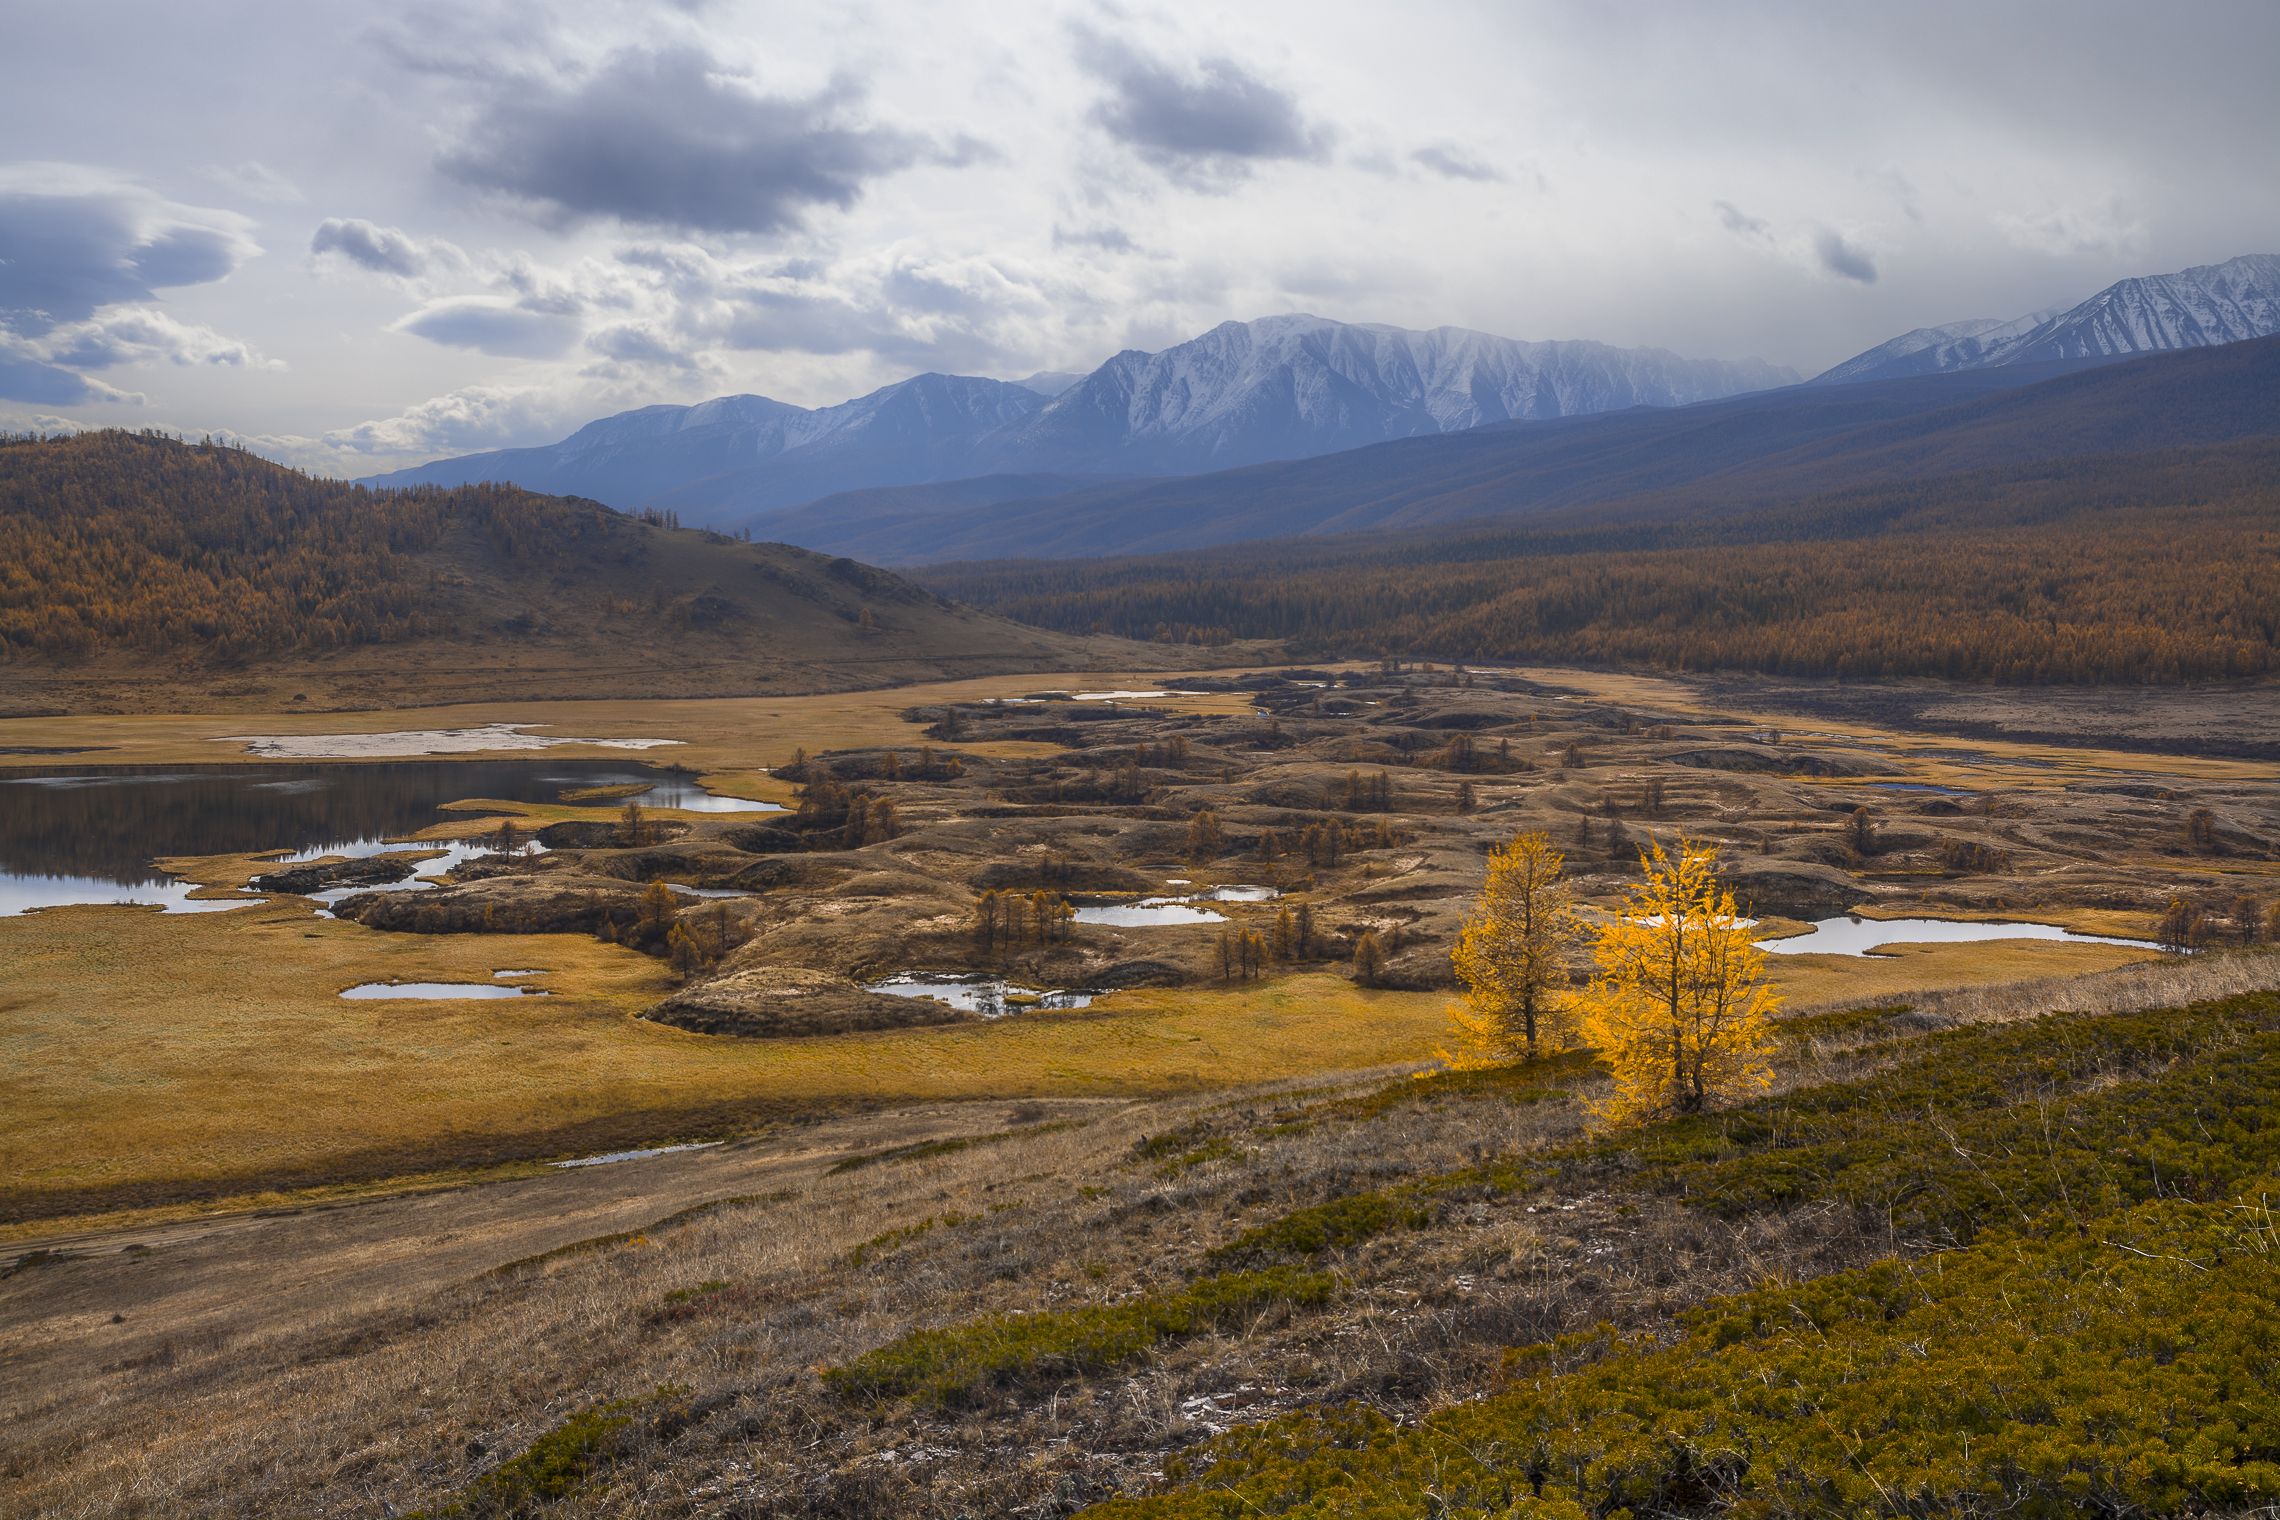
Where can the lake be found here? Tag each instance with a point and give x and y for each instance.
(88, 834)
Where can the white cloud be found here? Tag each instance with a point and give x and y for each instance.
(144, 335)
(2100, 227)
(467, 421)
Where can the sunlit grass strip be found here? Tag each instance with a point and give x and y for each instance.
(926, 1148)
(956, 1365)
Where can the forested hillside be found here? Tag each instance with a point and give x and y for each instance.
(132, 563)
(2122, 568)
(136, 539)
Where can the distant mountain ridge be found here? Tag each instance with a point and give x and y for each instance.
(2193, 308)
(1243, 393)
(1724, 456)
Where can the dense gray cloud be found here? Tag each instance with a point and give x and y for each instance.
(73, 240)
(1210, 121)
(1842, 259)
(1734, 219)
(1451, 162)
(76, 246)
(664, 139)
(383, 250)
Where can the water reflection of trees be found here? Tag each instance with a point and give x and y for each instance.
(113, 828)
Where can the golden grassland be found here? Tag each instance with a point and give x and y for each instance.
(141, 1051)
(723, 737)
(145, 1052)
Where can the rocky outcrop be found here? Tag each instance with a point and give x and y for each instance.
(1777, 760)
(561, 902)
(325, 875)
(1765, 888)
(764, 1002)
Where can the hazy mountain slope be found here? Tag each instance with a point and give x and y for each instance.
(1280, 388)
(918, 429)
(2195, 308)
(1753, 449)
(789, 524)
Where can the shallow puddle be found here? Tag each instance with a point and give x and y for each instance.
(655, 1150)
(993, 997)
(1149, 913)
(440, 990)
(1862, 936)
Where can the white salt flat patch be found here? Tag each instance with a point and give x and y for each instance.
(423, 741)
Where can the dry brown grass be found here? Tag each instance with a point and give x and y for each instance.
(383, 1403)
(380, 1402)
(150, 1056)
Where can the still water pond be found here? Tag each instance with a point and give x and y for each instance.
(440, 990)
(993, 997)
(88, 834)
(1148, 913)
(1860, 936)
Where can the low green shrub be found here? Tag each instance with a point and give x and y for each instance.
(2046, 1371)
(1339, 1225)
(957, 1365)
(550, 1468)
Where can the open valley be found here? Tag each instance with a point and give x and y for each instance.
(768, 761)
(195, 1111)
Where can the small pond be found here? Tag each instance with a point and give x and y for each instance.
(1861, 936)
(993, 997)
(1149, 913)
(1922, 786)
(440, 990)
(79, 834)
(1235, 892)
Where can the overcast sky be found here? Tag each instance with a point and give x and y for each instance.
(359, 236)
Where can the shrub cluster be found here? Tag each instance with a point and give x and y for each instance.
(959, 1364)
(2102, 1337)
(2043, 1372)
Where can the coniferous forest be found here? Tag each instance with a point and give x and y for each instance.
(116, 538)
(2158, 567)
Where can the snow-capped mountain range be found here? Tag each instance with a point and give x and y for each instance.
(2194, 308)
(1245, 392)
(1289, 387)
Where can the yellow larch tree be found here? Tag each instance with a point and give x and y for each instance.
(1679, 1009)
(1512, 958)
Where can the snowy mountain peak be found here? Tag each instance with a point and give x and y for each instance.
(2194, 308)
(1281, 387)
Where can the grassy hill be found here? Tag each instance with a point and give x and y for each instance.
(138, 571)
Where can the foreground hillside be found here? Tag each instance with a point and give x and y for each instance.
(1967, 1256)
(139, 571)
(2129, 569)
